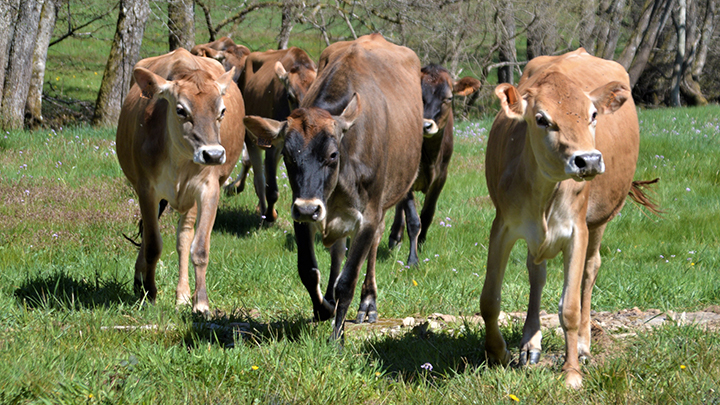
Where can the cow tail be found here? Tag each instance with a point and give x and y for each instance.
(161, 207)
(638, 194)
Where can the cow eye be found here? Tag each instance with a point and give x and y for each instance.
(333, 157)
(180, 110)
(448, 100)
(222, 115)
(594, 116)
(542, 121)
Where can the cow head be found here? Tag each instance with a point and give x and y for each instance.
(312, 152)
(297, 80)
(561, 120)
(438, 89)
(195, 109)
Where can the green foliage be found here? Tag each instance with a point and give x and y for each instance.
(73, 331)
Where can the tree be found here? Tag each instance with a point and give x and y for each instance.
(33, 104)
(124, 54)
(8, 14)
(505, 23)
(17, 77)
(181, 24)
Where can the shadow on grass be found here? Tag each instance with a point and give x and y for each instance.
(64, 292)
(238, 221)
(228, 330)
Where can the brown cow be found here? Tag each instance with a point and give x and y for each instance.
(352, 151)
(437, 93)
(570, 119)
(179, 135)
(274, 83)
(226, 52)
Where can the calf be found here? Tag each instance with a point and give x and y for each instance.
(179, 135)
(273, 85)
(226, 52)
(570, 119)
(352, 151)
(437, 93)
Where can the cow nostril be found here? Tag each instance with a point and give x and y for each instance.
(580, 162)
(212, 155)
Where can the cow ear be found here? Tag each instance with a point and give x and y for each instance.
(466, 86)
(150, 84)
(225, 80)
(350, 113)
(265, 131)
(510, 100)
(610, 97)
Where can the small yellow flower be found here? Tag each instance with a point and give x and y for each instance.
(377, 374)
(514, 398)
(254, 368)
(692, 264)
(90, 396)
(95, 73)
(682, 367)
(415, 283)
(57, 79)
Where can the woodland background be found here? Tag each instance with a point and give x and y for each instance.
(669, 47)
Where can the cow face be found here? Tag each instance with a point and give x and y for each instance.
(297, 81)
(195, 110)
(561, 121)
(438, 89)
(312, 152)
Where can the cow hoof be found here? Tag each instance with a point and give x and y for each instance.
(270, 217)
(413, 261)
(392, 242)
(325, 311)
(504, 360)
(573, 379)
(584, 359)
(231, 190)
(370, 316)
(529, 358)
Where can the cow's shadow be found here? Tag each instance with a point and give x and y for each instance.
(62, 291)
(238, 221)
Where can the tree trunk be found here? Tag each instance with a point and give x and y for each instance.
(181, 24)
(706, 34)
(507, 53)
(606, 30)
(542, 34)
(631, 46)
(587, 25)
(680, 23)
(8, 15)
(33, 105)
(17, 79)
(286, 25)
(124, 54)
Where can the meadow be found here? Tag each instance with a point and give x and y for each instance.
(72, 331)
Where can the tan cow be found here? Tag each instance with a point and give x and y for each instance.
(570, 119)
(274, 83)
(179, 135)
(228, 53)
(352, 151)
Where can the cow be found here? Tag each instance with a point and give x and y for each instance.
(559, 165)
(274, 83)
(228, 53)
(352, 151)
(179, 135)
(438, 89)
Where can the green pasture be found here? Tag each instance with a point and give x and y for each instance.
(66, 284)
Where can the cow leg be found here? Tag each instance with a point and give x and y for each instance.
(592, 265)
(256, 161)
(501, 244)
(574, 263)
(200, 249)
(237, 186)
(309, 273)
(530, 345)
(429, 207)
(185, 236)
(413, 228)
(361, 245)
(398, 226)
(150, 247)
(368, 295)
(272, 159)
(337, 255)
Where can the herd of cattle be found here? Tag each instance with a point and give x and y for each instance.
(360, 132)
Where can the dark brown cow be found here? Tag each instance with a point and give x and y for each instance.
(352, 151)
(437, 92)
(570, 119)
(273, 85)
(228, 53)
(179, 135)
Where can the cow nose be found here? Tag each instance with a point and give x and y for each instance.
(429, 127)
(210, 155)
(308, 210)
(585, 165)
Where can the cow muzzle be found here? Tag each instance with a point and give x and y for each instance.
(429, 127)
(308, 210)
(585, 165)
(210, 155)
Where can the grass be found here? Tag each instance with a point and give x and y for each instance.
(67, 271)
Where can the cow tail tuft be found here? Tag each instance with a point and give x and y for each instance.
(161, 207)
(638, 194)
